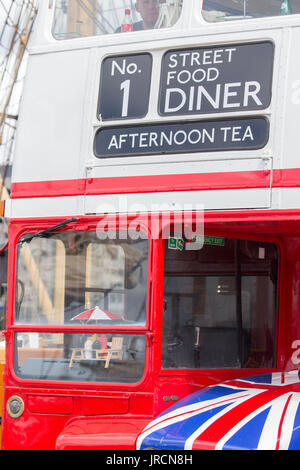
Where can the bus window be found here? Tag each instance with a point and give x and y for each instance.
(223, 10)
(77, 278)
(84, 279)
(73, 18)
(92, 357)
(220, 305)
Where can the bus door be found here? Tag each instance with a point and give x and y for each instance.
(79, 323)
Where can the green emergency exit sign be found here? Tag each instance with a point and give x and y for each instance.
(175, 243)
(211, 240)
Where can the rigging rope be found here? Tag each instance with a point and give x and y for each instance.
(18, 21)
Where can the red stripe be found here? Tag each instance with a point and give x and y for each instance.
(281, 422)
(181, 182)
(48, 188)
(158, 183)
(138, 184)
(288, 178)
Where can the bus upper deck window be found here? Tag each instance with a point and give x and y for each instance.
(74, 18)
(224, 10)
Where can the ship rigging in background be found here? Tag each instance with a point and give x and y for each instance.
(78, 18)
(72, 19)
(118, 334)
(16, 23)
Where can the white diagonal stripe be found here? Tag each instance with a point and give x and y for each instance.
(288, 422)
(239, 425)
(268, 438)
(190, 441)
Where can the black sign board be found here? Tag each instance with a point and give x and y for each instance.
(124, 87)
(183, 137)
(228, 78)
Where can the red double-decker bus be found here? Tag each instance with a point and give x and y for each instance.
(154, 220)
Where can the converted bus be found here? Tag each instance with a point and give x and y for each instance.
(154, 221)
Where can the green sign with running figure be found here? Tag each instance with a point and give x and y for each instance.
(178, 243)
(175, 243)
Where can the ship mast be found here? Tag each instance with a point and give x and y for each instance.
(16, 22)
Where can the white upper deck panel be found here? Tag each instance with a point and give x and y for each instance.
(197, 97)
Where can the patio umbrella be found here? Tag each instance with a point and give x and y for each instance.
(96, 313)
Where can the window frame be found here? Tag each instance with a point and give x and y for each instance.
(139, 330)
(239, 372)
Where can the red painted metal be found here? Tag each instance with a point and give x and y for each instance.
(137, 184)
(75, 415)
(85, 434)
(281, 178)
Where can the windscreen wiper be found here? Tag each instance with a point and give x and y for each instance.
(29, 236)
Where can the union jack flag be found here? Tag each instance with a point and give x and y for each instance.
(261, 412)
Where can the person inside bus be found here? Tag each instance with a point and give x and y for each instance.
(149, 11)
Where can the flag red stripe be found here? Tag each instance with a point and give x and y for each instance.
(281, 422)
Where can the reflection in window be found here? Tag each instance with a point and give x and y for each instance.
(220, 306)
(80, 357)
(223, 10)
(111, 261)
(77, 278)
(78, 18)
